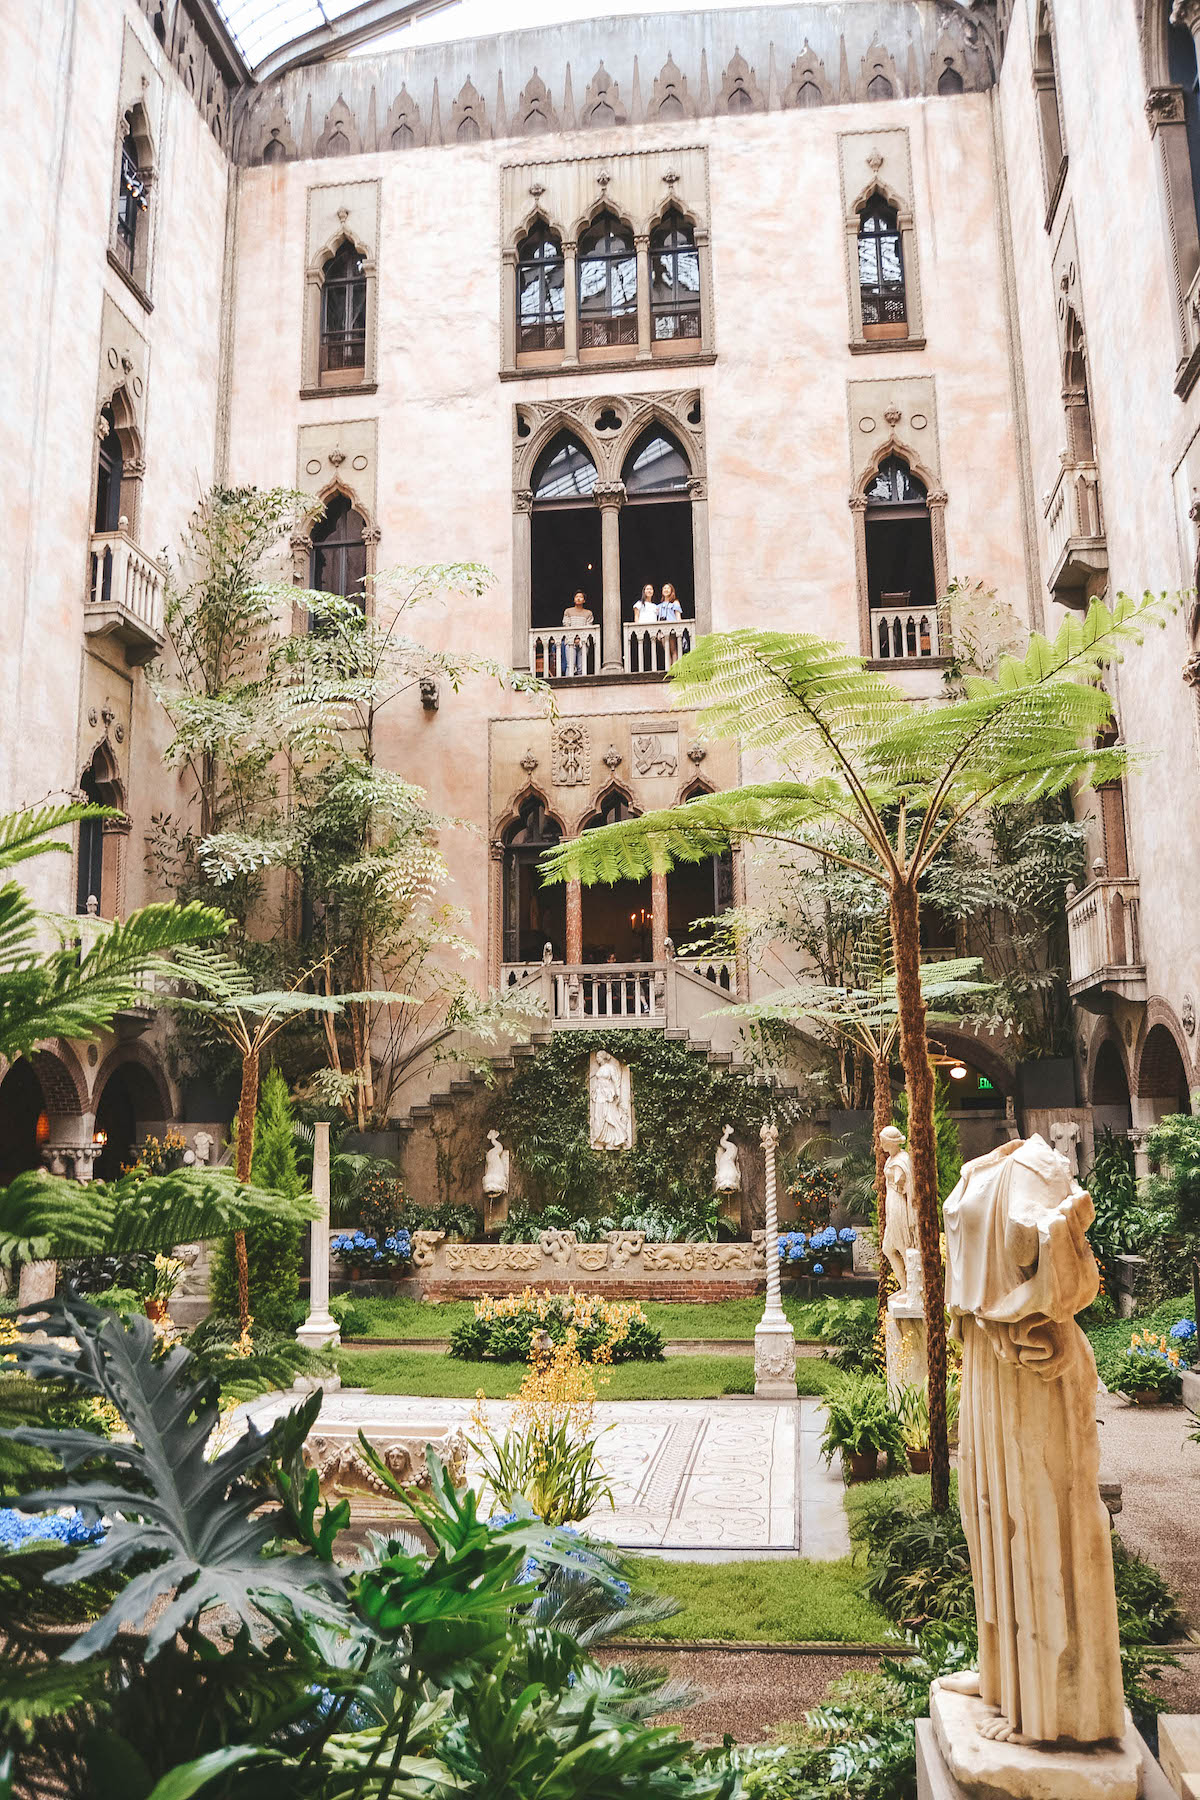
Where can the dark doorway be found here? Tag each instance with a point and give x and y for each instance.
(1110, 1090)
(656, 546)
(1163, 1078)
(130, 1101)
(23, 1122)
(534, 914)
(566, 560)
(899, 539)
(617, 923)
(697, 891)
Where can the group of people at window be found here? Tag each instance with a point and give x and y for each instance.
(578, 619)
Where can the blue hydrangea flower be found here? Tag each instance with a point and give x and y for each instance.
(818, 1268)
(17, 1528)
(846, 1235)
(1183, 1331)
(358, 1240)
(378, 1256)
(369, 1244)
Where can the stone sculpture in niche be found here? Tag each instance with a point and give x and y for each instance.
(900, 1221)
(1018, 1270)
(610, 1091)
(496, 1166)
(727, 1178)
(1064, 1138)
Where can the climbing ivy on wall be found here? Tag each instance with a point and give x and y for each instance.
(680, 1104)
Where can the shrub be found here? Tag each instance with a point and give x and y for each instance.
(607, 1330)
(1152, 1364)
(859, 1419)
(391, 1255)
(850, 1327)
(272, 1250)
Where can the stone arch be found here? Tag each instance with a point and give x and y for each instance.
(644, 419)
(895, 446)
(131, 1055)
(137, 126)
(877, 188)
(972, 1050)
(531, 791)
(596, 210)
(130, 1095)
(672, 203)
(1161, 1062)
(302, 540)
(561, 420)
(537, 215)
(63, 1082)
(1152, 35)
(1108, 1081)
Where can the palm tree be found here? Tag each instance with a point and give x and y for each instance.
(901, 776)
(250, 1021)
(868, 1019)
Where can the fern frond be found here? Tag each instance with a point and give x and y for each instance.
(23, 834)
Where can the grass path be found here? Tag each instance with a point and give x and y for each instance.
(418, 1372)
(764, 1602)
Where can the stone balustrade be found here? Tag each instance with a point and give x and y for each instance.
(901, 632)
(1075, 531)
(653, 649)
(125, 594)
(564, 652)
(1104, 935)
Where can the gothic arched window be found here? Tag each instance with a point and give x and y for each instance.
(901, 584)
(881, 270)
(541, 308)
(339, 552)
(674, 279)
(607, 285)
(534, 914)
(1049, 108)
(344, 312)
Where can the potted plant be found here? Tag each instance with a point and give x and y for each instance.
(860, 1425)
(912, 1412)
(168, 1272)
(1150, 1371)
(397, 1253)
(356, 1252)
(457, 1220)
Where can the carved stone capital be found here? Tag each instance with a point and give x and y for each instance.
(1191, 670)
(697, 487)
(1164, 106)
(371, 534)
(609, 494)
(641, 240)
(1187, 14)
(938, 498)
(858, 503)
(523, 500)
(496, 851)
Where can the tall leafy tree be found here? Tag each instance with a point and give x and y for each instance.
(900, 777)
(272, 1248)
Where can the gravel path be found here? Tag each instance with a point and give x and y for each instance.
(748, 1693)
(1146, 1449)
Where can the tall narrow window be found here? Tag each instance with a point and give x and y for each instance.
(1183, 73)
(881, 271)
(108, 474)
(901, 584)
(132, 201)
(674, 279)
(344, 314)
(656, 554)
(566, 578)
(541, 308)
(607, 285)
(89, 885)
(534, 914)
(339, 554)
(1045, 82)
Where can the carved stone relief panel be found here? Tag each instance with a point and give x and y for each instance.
(602, 104)
(571, 756)
(404, 130)
(340, 136)
(740, 92)
(897, 415)
(636, 187)
(535, 112)
(339, 454)
(607, 425)
(808, 84)
(656, 748)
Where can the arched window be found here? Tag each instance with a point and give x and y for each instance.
(132, 201)
(901, 584)
(339, 553)
(607, 285)
(1183, 73)
(618, 924)
(344, 313)
(1049, 109)
(534, 914)
(881, 271)
(656, 553)
(109, 464)
(96, 872)
(566, 556)
(1076, 398)
(541, 310)
(674, 279)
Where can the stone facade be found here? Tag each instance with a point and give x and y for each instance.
(766, 129)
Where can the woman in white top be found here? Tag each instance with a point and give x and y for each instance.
(645, 611)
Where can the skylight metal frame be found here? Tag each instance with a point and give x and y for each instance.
(274, 35)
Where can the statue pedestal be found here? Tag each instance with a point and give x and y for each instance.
(38, 1282)
(904, 1342)
(774, 1360)
(954, 1760)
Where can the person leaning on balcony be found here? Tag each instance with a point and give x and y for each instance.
(578, 614)
(670, 612)
(645, 610)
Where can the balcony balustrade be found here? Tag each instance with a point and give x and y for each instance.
(125, 595)
(1077, 548)
(682, 993)
(653, 649)
(1104, 933)
(565, 652)
(902, 632)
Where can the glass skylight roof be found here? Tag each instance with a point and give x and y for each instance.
(262, 26)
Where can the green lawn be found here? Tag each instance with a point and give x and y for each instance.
(422, 1372)
(765, 1602)
(703, 1319)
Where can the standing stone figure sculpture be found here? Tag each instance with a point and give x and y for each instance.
(611, 1103)
(495, 1166)
(900, 1220)
(1064, 1137)
(727, 1178)
(1019, 1269)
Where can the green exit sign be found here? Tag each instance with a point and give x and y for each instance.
(985, 1083)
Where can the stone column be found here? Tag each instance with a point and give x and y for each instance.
(319, 1331)
(642, 246)
(658, 917)
(697, 488)
(522, 575)
(570, 305)
(574, 922)
(774, 1339)
(610, 497)
(73, 1159)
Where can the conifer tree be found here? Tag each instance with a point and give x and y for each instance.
(273, 1248)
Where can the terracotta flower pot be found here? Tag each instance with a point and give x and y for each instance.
(155, 1310)
(918, 1461)
(1147, 1397)
(864, 1465)
(356, 1274)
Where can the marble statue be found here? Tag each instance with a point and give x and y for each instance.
(728, 1176)
(496, 1166)
(611, 1103)
(1064, 1137)
(900, 1213)
(1018, 1270)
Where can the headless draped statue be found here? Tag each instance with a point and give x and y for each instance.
(1018, 1270)
(610, 1103)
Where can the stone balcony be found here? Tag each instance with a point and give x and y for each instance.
(569, 653)
(902, 632)
(1077, 549)
(678, 994)
(1104, 932)
(125, 595)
